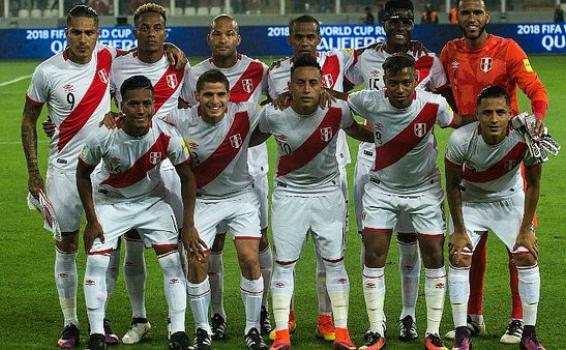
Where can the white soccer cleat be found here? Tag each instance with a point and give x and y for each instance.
(136, 332)
(476, 329)
(513, 333)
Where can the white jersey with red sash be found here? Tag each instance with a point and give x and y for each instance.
(77, 97)
(130, 165)
(490, 172)
(405, 159)
(306, 145)
(219, 151)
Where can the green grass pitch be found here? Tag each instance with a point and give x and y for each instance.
(30, 317)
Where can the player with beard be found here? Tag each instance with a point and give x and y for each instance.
(472, 62)
(247, 79)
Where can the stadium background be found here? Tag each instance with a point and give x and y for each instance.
(30, 316)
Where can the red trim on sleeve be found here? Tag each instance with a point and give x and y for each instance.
(452, 164)
(33, 102)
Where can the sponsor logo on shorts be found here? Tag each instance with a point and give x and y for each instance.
(486, 63)
(326, 134)
(68, 88)
(420, 129)
(171, 80)
(154, 157)
(248, 85)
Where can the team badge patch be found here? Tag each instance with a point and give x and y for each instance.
(248, 85)
(326, 134)
(510, 164)
(103, 76)
(171, 80)
(327, 80)
(486, 63)
(527, 65)
(420, 129)
(236, 140)
(154, 157)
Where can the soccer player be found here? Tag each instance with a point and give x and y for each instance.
(404, 181)
(472, 62)
(129, 194)
(368, 69)
(307, 195)
(219, 134)
(485, 192)
(247, 79)
(304, 37)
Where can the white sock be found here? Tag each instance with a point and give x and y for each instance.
(374, 295)
(174, 287)
(216, 280)
(459, 290)
(134, 275)
(410, 270)
(199, 296)
(112, 272)
(66, 281)
(282, 287)
(435, 288)
(252, 293)
(266, 265)
(529, 290)
(338, 286)
(324, 303)
(95, 291)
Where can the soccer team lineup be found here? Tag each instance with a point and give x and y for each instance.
(183, 166)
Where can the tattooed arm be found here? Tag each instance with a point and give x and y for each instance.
(29, 141)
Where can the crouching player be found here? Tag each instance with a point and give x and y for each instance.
(485, 193)
(404, 181)
(129, 195)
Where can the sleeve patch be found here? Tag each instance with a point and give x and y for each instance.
(527, 65)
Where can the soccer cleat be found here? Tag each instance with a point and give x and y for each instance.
(476, 329)
(111, 337)
(325, 328)
(291, 325)
(463, 341)
(254, 340)
(407, 329)
(96, 342)
(69, 337)
(343, 340)
(433, 342)
(179, 341)
(202, 340)
(373, 341)
(513, 333)
(139, 328)
(218, 324)
(530, 343)
(282, 340)
(265, 323)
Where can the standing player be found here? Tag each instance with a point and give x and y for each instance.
(307, 195)
(368, 69)
(484, 188)
(247, 79)
(404, 181)
(473, 62)
(129, 194)
(219, 134)
(304, 37)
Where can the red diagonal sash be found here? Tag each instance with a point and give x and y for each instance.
(423, 66)
(313, 145)
(407, 139)
(156, 153)
(506, 164)
(248, 82)
(90, 101)
(330, 71)
(228, 149)
(167, 85)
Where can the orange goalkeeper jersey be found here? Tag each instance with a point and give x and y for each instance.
(499, 61)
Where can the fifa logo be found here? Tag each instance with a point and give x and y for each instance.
(154, 157)
(486, 63)
(327, 80)
(419, 129)
(236, 140)
(326, 134)
(247, 85)
(103, 76)
(171, 80)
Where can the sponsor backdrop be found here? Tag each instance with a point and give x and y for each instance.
(541, 38)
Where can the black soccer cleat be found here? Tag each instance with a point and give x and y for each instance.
(179, 341)
(218, 324)
(202, 340)
(265, 323)
(254, 340)
(96, 342)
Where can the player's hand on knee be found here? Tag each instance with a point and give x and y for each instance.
(35, 184)
(93, 230)
(48, 127)
(195, 246)
(109, 120)
(460, 247)
(527, 240)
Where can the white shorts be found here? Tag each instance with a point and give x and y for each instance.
(153, 219)
(293, 215)
(239, 214)
(361, 178)
(62, 191)
(382, 210)
(261, 187)
(172, 184)
(503, 218)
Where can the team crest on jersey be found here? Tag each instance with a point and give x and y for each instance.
(510, 164)
(486, 63)
(327, 80)
(171, 80)
(154, 157)
(236, 140)
(326, 134)
(103, 76)
(420, 129)
(248, 85)
(455, 65)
